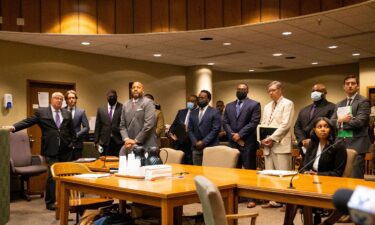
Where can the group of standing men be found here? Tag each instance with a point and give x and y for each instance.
(198, 126)
(64, 128)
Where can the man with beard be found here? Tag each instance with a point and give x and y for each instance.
(306, 117)
(138, 119)
(107, 126)
(204, 126)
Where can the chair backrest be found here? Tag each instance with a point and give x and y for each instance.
(68, 169)
(260, 160)
(212, 203)
(170, 155)
(369, 169)
(351, 156)
(20, 151)
(220, 156)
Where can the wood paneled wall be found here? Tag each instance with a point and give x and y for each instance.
(144, 16)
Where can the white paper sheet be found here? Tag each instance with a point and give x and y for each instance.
(43, 99)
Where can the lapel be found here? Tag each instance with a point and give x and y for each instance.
(355, 105)
(105, 112)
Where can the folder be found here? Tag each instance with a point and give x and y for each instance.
(264, 132)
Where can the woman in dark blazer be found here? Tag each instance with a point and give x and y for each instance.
(331, 162)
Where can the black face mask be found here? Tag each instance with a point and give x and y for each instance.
(241, 95)
(202, 103)
(112, 100)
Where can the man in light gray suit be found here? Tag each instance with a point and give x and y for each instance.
(138, 120)
(80, 122)
(356, 122)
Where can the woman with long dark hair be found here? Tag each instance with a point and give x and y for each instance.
(330, 161)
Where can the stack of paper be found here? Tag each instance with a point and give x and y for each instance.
(156, 171)
(93, 175)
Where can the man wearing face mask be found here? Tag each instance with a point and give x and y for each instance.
(107, 126)
(204, 127)
(241, 118)
(179, 127)
(306, 117)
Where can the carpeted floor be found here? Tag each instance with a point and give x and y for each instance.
(34, 213)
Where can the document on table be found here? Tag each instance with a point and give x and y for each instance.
(93, 175)
(280, 173)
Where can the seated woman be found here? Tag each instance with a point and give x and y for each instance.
(330, 163)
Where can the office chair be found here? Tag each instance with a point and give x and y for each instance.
(220, 156)
(23, 164)
(170, 155)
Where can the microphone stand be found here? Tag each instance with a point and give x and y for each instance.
(311, 161)
(105, 158)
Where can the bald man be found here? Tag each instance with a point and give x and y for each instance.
(138, 120)
(319, 108)
(58, 136)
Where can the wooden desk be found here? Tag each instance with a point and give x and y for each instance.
(314, 191)
(164, 193)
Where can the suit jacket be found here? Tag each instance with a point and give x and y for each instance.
(105, 129)
(138, 122)
(304, 123)
(81, 126)
(359, 124)
(246, 123)
(54, 140)
(331, 163)
(281, 117)
(179, 121)
(207, 129)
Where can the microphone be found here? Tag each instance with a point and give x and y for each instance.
(311, 161)
(359, 204)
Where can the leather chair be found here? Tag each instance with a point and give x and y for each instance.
(22, 163)
(77, 204)
(220, 156)
(213, 206)
(170, 155)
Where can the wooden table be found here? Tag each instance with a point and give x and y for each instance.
(164, 193)
(314, 191)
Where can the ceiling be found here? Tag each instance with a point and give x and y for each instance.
(352, 29)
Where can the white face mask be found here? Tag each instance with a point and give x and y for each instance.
(316, 96)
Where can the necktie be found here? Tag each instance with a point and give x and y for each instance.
(238, 108)
(110, 113)
(200, 114)
(312, 111)
(271, 116)
(187, 119)
(71, 111)
(349, 101)
(57, 119)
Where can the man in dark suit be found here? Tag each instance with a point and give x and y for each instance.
(58, 136)
(241, 119)
(138, 119)
(81, 124)
(179, 127)
(306, 117)
(204, 126)
(355, 122)
(107, 126)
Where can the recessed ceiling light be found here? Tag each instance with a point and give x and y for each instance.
(332, 46)
(251, 70)
(314, 63)
(227, 43)
(85, 43)
(356, 54)
(211, 64)
(286, 33)
(157, 55)
(206, 39)
(277, 54)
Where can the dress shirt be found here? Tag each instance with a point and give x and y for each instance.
(316, 162)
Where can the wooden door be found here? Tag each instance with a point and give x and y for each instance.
(37, 184)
